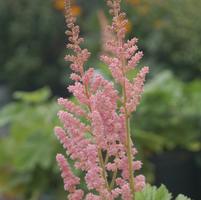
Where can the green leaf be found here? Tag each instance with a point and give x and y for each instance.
(8, 113)
(152, 193)
(35, 96)
(182, 197)
(163, 194)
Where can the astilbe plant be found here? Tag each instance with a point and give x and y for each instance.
(96, 129)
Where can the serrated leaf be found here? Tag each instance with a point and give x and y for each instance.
(182, 197)
(152, 193)
(163, 194)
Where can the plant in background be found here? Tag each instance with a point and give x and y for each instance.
(176, 114)
(96, 131)
(23, 171)
(29, 29)
(155, 21)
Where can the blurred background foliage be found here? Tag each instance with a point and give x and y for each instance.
(167, 122)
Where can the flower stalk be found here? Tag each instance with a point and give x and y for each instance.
(106, 121)
(129, 145)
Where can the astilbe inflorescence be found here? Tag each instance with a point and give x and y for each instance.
(96, 129)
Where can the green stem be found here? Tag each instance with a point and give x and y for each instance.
(129, 146)
(106, 158)
(114, 175)
(130, 159)
(102, 164)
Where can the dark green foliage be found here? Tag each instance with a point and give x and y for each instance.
(169, 114)
(31, 44)
(169, 33)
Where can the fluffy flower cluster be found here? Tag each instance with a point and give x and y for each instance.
(96, 130)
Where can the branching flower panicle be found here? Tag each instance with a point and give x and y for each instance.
(96, 130)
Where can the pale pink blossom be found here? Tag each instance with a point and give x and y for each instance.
(78, 91)
(116, 192)
(120, 182)
(71, 107)
(88, 76)
(115, 67)
(75, 77)
(125, 192)
(136, 90)
(135, 59)
(137, 165)
(98, 129)
(62, 137)
(94, 132)
(76, 195)
(93, 178)
(70, 180)
(111, 166)
(91, 196)
(139, 183)
(72, 124)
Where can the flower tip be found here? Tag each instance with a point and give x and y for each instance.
(60, 100)
(59, 157)
(60, 114)
(57, 129)
(146, 69)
